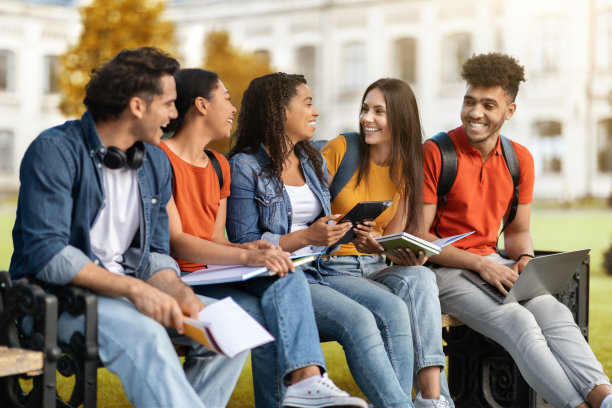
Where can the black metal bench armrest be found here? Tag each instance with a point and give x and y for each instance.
(24, 299)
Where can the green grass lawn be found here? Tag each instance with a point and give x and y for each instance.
(552, 229)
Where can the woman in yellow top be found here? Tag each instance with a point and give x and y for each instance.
(391, 168)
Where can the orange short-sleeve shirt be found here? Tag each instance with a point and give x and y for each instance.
(197, 196)
(481, 193)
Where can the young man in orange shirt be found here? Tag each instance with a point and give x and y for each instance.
(540, 334)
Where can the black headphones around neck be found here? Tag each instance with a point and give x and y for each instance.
(116, 158)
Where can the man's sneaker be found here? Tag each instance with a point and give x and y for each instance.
(319, 391)
(420, 402)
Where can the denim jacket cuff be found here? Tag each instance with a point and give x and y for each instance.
(158, 262)
(64, 266)
(272, 238)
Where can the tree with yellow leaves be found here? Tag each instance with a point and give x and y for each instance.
(108, 27)
(236, 68)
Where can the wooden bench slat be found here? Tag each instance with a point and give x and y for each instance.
(18, 361)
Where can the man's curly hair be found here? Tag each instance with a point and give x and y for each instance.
(494, 69)
(262, 120)
(130, 73)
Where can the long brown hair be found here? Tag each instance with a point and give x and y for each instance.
(406, 161)
(263, 120)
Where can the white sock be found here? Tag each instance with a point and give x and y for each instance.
(606, 400)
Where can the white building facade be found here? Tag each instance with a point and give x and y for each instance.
(564, 111)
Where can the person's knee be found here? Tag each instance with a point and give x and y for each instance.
(352, 326)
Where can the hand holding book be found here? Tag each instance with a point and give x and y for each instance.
(226, 328)
(416, 244)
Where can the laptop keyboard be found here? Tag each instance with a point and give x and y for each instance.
(494, 291)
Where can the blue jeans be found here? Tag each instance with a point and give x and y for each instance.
(540, 335)
(372, 326)
(367, 321)
(284, 307)
(138, 350)
(416, 285)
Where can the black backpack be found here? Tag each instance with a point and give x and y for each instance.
(448, 173)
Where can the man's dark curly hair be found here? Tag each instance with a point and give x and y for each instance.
(494, 69)
(130, 73)
(263, 120)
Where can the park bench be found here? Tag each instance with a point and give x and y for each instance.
(480, 372)
(35, 355)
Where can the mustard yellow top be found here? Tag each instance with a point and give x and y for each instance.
(380, 187)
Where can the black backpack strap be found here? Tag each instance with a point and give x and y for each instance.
(448, 171)
(515, 173)
(216, 166)
(348, 165)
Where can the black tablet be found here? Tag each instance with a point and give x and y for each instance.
(365, 210)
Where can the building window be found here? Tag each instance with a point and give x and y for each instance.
(548, 45)
(456, 48)
(548, 149)
(405, 59)
(7, 71)
(603, 41)
(6, 151)
(354, 72)
(50, 72)
(604, 146)
(307, 64)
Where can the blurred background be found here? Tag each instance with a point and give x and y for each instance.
(564, 109)
(564, 116)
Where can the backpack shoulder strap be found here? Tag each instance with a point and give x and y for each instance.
(448, 171)
(515, 172)
(216, 166)
(348, 164)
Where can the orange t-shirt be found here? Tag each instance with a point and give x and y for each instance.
(481, 193)
(197, 196)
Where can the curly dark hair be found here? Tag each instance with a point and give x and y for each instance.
(130, 73)
(263, 120)
(494, 69)
(406, 166)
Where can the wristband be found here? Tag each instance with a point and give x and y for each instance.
(522, 255)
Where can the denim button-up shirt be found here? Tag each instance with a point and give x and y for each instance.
(62, 194)
(255, 210)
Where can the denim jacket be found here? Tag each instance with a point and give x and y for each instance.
(62, 194)
(256, 211)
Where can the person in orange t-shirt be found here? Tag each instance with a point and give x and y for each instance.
(540, 334)
(197, 213)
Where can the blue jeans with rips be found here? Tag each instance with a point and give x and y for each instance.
(416, 285)
(139, 351)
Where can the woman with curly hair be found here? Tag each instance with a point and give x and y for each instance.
(197, 224)
(390, 167)
(279, 194)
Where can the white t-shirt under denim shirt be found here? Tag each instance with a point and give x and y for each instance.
(119, 219)
(306, 208)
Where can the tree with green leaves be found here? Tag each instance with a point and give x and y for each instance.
(235, 67)
(108, 27)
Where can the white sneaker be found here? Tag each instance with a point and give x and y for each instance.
(320, 391)
(420, 402)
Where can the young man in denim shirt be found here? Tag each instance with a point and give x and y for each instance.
(92, 213)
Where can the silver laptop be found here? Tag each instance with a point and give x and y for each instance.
(542, 275)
